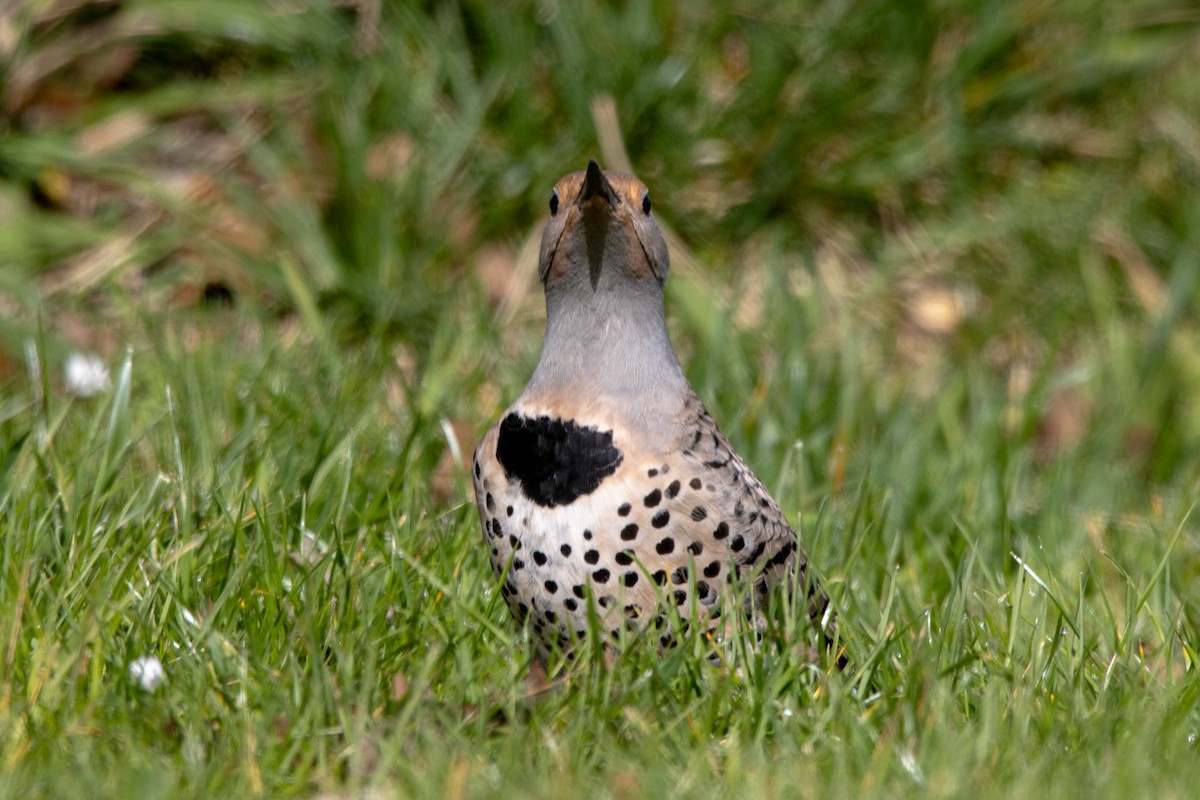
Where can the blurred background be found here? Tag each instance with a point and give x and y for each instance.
(995, 200)
(267, 271)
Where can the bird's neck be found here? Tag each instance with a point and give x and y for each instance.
(612, 348)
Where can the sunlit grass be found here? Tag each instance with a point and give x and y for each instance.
(940, 289)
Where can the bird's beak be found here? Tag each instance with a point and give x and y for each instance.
(596, 185)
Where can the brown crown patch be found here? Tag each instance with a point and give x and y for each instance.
(629, 189)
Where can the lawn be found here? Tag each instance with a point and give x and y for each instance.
(935, 271)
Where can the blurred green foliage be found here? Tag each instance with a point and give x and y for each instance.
(936, 275)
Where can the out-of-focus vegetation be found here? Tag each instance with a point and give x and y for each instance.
(935, 271)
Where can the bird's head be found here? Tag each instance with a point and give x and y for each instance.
(601, 235)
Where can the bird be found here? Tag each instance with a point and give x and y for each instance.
(607, 494)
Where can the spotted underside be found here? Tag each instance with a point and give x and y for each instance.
(574, 514)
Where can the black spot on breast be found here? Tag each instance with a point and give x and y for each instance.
(630, 578)
(624, 509)
(592, 556)
(660, 576)
(661, 519)
(555, 460)
(565, 549)
(601, 576)
(695, 548)
(694, 483)
(737, 543)
(699, 513)
(539, 558)
(629, 532)
(721, 532)
(570, 604)
(624, 558)
(679, 576)
(713, 569)
(673, 489)
(551, 586)
(651, 500)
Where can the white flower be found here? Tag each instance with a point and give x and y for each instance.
(86, 374)
(147, 672)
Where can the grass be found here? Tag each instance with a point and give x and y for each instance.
(935, 274)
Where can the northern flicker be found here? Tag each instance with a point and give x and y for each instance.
(607, 482)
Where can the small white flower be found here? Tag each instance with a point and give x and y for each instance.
(147, 672)
(86, 374)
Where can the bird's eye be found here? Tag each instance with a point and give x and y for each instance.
(554, 202)
(646, 204)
